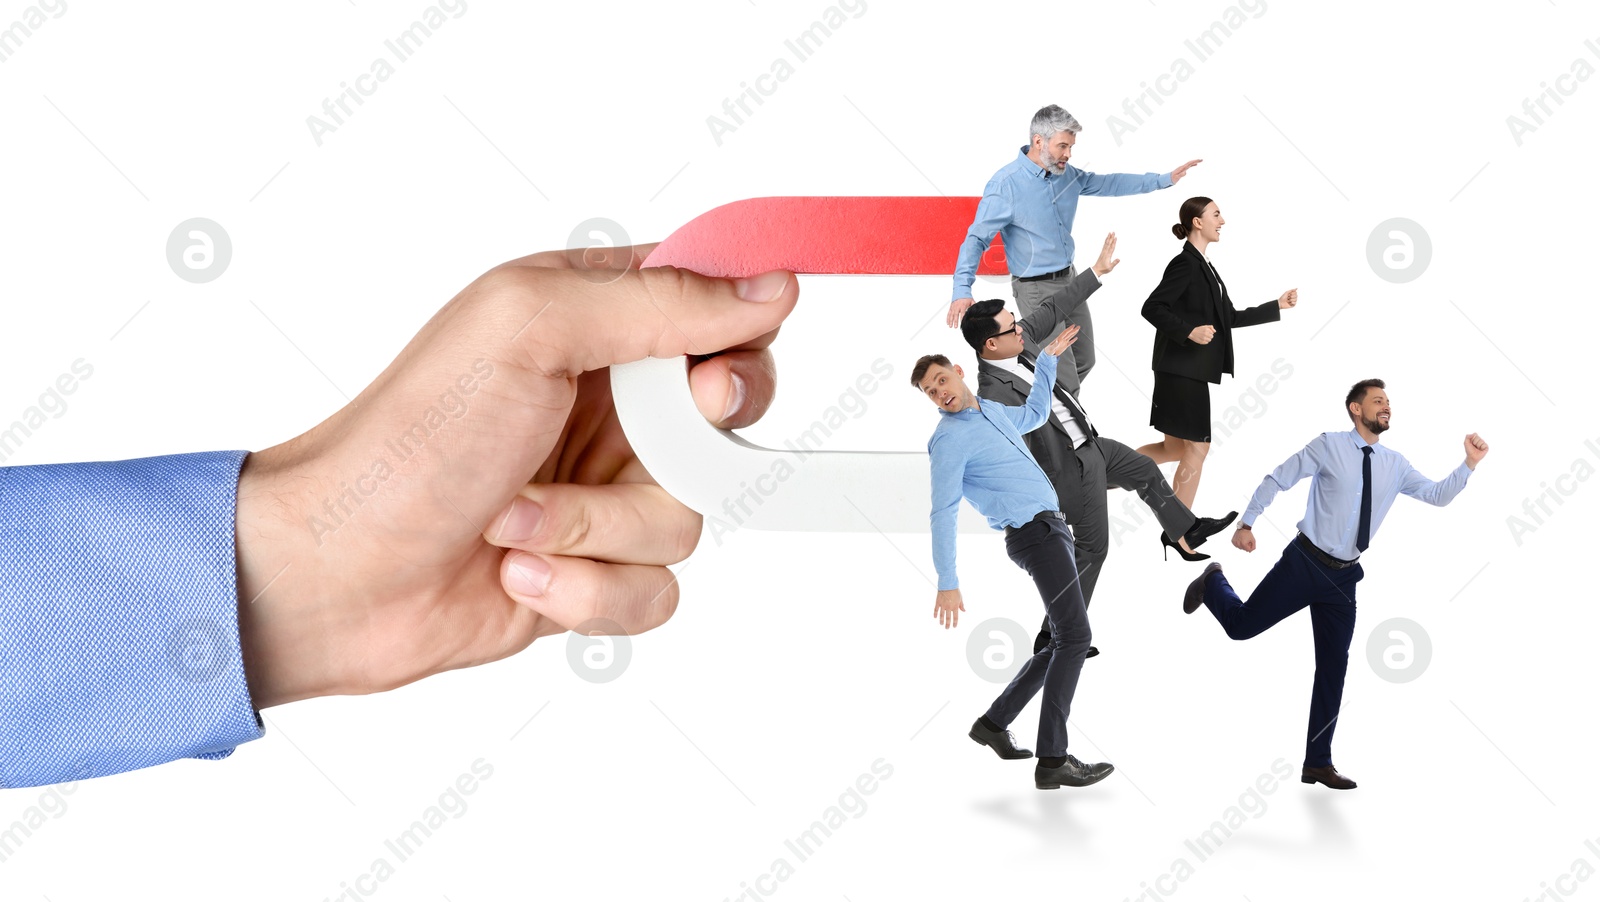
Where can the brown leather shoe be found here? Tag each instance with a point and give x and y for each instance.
(1327, 776)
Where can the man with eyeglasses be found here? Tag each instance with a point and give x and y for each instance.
(1081, 463)
(977, 452)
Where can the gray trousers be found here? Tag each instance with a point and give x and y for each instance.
(1044, 549)
(1078, 360)
(1107, 463)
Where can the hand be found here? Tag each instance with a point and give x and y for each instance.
(1106, 263)
(1179, 172)
(1476, 449)
(1201, 335)
(1288, 299)
(958, 309)
(948, 607)
(1244, 539)
(1062, 341)
(372, 550)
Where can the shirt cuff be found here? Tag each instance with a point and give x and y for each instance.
(119, 629)
(1164, 180)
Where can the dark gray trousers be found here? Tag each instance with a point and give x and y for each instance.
(1044, 549)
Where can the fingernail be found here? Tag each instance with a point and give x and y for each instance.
(521, 521)
(529, 575)
(735, 396)
(765, 287)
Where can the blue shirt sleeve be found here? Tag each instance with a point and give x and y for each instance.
(1117, 184)
(119, 630)
(1304, 463)
(1438, 493)
(1036, 411)
(947, 464)
(994, 213)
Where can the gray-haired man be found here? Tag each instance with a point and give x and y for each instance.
(1031, 203)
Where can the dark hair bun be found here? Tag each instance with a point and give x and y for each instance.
(1179, 230)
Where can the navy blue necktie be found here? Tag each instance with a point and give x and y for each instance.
(1364, 528)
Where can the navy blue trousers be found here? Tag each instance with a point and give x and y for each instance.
(1044, 549)
(1296, 581)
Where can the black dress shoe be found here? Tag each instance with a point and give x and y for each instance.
(1195, 594)
(1206, 527)
(1003, 743)
(1043, 639)
(1071, 773)
(1091, 652)
(1327, 776)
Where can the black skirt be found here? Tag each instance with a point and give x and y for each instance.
(1181, 407)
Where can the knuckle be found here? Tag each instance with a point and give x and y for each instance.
(577, 528)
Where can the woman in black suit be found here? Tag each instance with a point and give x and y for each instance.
(1194, 323)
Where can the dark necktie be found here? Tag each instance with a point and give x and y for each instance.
(1364, 527)
(1066, 399)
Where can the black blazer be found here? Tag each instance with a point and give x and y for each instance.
(1050, 444)
(1190, 295)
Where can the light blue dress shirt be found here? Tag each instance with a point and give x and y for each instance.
(119, 602)
(1033, 211)
(980, 454)
(1333, 511)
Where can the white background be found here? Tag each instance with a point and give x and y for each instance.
(797, 661)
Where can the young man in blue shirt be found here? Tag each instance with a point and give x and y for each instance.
(1354, 480)
(977, 452)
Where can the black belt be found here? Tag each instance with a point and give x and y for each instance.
(1042, 515)
(1049, 275)
(1326, 558)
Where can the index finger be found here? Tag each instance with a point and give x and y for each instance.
(598, 257)
(567, 323)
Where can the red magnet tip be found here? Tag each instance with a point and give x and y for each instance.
(876, 235)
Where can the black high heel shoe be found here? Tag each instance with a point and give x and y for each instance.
(1186, 555)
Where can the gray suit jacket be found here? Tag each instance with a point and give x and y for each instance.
(1050, 444)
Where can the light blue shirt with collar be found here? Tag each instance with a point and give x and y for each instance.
(1333, 510)
(978, 453)
(1033, 209)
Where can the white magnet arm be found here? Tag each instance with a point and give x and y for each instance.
(746, 486)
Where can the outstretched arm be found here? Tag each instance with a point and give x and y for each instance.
(1445, 490)
(1035, 412)
(1118, 184)
(1304, 463)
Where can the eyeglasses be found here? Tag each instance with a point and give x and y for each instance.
(1015, 327)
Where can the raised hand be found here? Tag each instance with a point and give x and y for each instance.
(1178, 173)
(1062, 341)
(1107, 261)
(1476, 449)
